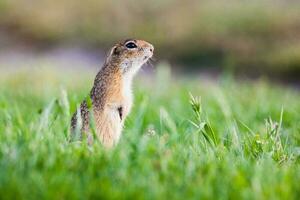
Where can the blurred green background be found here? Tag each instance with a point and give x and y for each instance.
(237, 137)
(253, 37)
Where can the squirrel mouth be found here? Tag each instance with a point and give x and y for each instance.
(146, 57)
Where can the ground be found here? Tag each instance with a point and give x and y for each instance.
(185, 138)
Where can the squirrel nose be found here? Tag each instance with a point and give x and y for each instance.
(151, 49)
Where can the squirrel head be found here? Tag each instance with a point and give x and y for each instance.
(130, 55)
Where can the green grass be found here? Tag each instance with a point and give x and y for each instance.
(242, 140)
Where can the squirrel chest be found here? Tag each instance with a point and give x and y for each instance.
(110, 121)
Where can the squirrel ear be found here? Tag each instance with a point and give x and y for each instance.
(115, 50)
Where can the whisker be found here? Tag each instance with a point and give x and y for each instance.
(153, 59)
(150, 63)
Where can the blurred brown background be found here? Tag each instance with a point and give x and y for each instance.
(259, 37)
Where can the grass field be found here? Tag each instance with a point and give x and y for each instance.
(241, 141)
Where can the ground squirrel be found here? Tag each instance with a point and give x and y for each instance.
(111, 95)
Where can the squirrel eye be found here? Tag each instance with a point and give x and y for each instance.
(131, 45)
